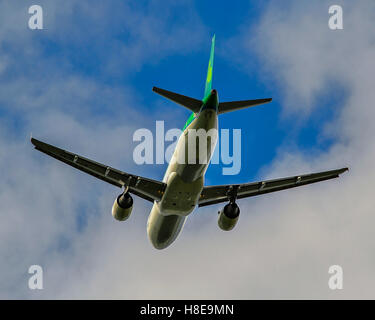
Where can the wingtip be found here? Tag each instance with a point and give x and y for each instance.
(33, 141)
(342, 170)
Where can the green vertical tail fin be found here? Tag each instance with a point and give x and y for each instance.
(208, 87)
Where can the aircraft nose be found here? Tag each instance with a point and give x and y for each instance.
(213, 91)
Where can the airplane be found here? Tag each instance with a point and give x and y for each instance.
(182, 188)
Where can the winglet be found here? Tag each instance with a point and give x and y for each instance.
(208, 86)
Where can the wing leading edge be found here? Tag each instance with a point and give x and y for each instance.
(216, 194)
(145, 188)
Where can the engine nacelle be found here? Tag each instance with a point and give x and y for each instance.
(228, 216)
(122, 207)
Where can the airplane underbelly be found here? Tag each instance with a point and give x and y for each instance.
(162, 230)
(168, 216)
(184, 181)
(196, 146)
(180, 197)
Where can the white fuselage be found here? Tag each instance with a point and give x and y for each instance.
(184, 178)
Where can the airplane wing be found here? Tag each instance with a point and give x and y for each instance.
(147, 189)
(216, 194)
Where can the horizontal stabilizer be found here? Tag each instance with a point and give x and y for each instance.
(237, 105)
(189, 103)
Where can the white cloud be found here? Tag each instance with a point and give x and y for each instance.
(47, 209)
(310, 63)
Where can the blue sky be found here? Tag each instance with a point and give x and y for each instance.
(183, 71)
(84, 84)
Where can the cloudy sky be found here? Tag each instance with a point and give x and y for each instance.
(84, 84)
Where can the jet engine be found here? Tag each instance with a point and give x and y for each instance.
(122, 207)
(228, 216)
